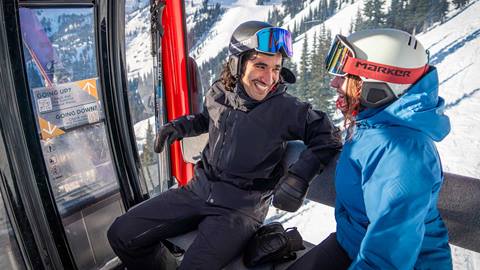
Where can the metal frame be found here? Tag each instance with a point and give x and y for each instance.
(110, 34)
(42, 235)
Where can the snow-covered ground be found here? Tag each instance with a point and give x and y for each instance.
(455, 50)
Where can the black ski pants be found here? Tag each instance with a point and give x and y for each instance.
(328, 255)
(222, 233)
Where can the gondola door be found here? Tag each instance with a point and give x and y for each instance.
(65, 91)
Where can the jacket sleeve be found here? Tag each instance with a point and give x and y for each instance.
(192, 125)
(323, 143)
(397, 192)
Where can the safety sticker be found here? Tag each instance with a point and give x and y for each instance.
(68, 105)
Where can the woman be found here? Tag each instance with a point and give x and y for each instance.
(389, 174)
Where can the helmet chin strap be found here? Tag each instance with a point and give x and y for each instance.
(234, 63)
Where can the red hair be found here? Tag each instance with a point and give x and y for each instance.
(352, 103)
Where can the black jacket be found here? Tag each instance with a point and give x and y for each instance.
(247, 139)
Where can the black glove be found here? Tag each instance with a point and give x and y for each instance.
(272, 244)
(167, 132)
(290, 192)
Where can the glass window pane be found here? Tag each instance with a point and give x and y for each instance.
(141, 96)
(61, 64)
(10, 256)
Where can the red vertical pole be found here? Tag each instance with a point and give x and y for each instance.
(175, 80)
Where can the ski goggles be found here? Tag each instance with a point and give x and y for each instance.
(341, 61)
(337, 56)
(271, 41)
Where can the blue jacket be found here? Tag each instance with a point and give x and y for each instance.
(388, 179)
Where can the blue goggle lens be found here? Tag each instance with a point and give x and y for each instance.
(272, 40)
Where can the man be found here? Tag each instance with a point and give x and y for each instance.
(249, 117)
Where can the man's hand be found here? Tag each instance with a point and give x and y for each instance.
(290, 192)
(167, 133)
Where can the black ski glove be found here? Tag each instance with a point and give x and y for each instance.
(290, 192)
(168, 133)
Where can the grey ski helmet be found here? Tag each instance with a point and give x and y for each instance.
(241, 43)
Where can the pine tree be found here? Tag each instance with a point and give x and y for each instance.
(324, 95)
(292, 88)
(302, 85)
(352, 27)
(416, 14)
(292, 7)
(396, 14)
(332, 7)
(148, 156)
(438, 11)
(324, 10)
(315, 82)
(358, 24)
(460, 3)
(374, 15)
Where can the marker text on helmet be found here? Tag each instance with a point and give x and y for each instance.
(382, 72)
(382, 69)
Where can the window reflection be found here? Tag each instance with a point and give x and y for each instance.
(141, 98)
(58, 45)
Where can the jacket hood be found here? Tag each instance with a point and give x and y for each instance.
(420, 108)
(239, 99)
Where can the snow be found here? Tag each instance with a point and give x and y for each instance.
(219, 35)
(455, 51)
(314, 221)
(137, 33)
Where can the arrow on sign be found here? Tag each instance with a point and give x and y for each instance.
(50, 129)
(88, 87)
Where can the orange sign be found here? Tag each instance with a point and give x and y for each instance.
(48, 130)
(89, 86)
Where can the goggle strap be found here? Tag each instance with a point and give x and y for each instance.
(381, 72)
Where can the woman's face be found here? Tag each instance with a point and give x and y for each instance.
(340, 84)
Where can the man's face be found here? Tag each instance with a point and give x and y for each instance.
(261, 74)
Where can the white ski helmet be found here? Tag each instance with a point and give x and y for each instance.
(388, 61)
